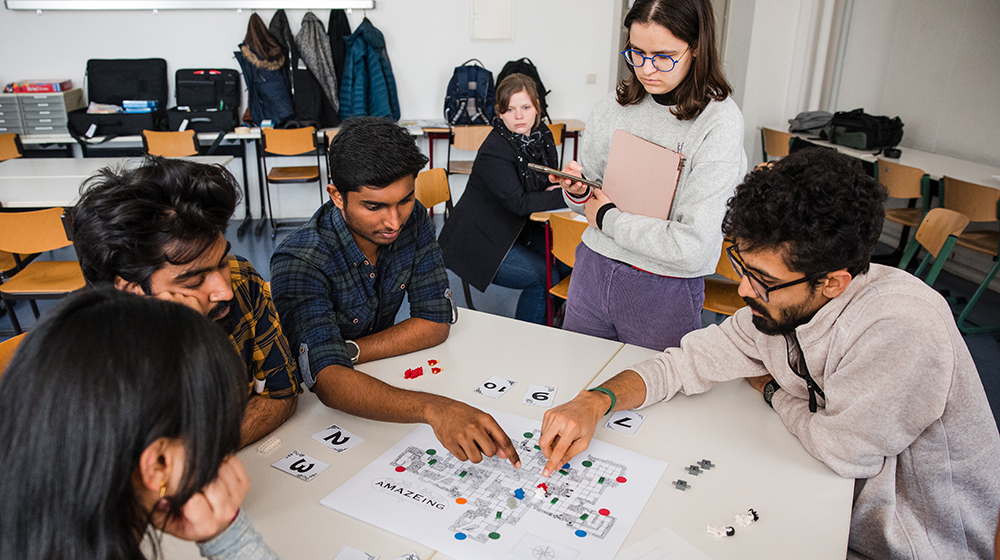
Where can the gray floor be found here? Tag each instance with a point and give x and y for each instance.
(985, 349)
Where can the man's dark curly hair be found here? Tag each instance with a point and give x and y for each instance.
(817, 206)
(132, 222)
(372, 152)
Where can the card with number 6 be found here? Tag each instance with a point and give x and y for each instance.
(300, 465)
(540, 395)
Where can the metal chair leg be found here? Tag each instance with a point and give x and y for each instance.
(13, 316)
(967, 329)
(468, 295)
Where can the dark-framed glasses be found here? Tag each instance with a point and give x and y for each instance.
(762, 290)
(662, 62)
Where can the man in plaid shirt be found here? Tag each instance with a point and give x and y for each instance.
(157, 230)
(339, 281)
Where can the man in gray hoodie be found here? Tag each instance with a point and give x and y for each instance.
(862, 362)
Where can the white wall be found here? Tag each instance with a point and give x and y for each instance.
(935, 65)
(566, 39)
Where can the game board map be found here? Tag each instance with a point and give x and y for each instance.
(494, 500)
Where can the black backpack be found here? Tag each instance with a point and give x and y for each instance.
(526, 67)
(861, 131)
(470, 95)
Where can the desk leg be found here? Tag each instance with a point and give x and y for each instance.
(263, 195)
(575, 135)
(548, 274)
(246, 192)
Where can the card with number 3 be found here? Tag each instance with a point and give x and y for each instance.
(300, 465)
(495, 387)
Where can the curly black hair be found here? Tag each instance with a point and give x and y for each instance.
(817, 206)
(130, 222)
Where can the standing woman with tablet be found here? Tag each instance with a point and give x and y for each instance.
(639, 279)
(120, 415)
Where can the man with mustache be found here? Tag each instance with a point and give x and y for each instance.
(156, 230)
(340, 280)
(862, 362)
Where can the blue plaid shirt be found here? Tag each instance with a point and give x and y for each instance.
(327, 292)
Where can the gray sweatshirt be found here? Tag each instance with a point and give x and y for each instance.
(689, 243)
(906, 414)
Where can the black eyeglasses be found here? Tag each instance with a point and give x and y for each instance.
(762, 290)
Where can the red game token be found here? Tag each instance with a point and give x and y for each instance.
(400, 468)
(432, 362)
(435, 370)
(621, 480)
(604, 511)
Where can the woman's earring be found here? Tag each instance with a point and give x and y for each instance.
(163, 489)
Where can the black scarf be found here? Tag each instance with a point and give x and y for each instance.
(538, 146)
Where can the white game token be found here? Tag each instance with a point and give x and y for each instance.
(625, 421)
(300, 465)
(337, 438)
(495, 387)
(540, 395)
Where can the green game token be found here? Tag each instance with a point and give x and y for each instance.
(498, 515)
(584, 517)
(494, 536)
(431, 452)
(554, 500)
(600, 480)
(562, 472)
(538, 448)
(463, 473)
(588, 464)
(529, 435)
(432, 461)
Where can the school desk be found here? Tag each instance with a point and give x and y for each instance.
(759, 464)
(49, 182)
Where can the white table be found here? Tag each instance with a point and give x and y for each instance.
(804, 507)
(49, 182)
(935, 165)
(286, 511)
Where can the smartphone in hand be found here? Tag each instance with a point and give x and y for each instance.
(557, 173)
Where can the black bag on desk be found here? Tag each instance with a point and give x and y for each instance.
(859, 130)
(114, 81)
(209, 99)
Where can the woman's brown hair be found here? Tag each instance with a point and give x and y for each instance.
(516, 83)
(693, 22)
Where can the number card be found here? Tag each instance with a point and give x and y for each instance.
(495, 387)
(348, 553)
(408, 556)
(337, 438)
(540, 395)
(300, 465)
(625, 421)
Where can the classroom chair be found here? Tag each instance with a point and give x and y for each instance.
(912, 185)
(938, 233)
(722, 294)
(566, 234)
(36, 232)
(289, 142)
(466, 138)
(979, 204)
(558, 131)
(775, 143)
(432, 189)
(182, 143)
(7, 349)
(10, 146)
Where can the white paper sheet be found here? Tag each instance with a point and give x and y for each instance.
(664, 544)
(421, 492)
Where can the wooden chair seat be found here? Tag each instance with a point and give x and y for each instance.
(300, 174)
(983, 241)
(561, 290)
(7, 349)
(170, 144)
(431, 188)
(906, 216)
(7, 263)
(775, 142)
(460, 167)
(721, 296)
(10, 146)
(44, 280)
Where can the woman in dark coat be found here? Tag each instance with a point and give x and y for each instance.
(488, 238)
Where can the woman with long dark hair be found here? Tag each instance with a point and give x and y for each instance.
(119, 415)
(639, 279)
(488, 238)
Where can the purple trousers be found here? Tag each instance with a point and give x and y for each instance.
(613, 300)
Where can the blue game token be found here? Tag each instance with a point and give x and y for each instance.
(579, 533)
(460, 536)
(566, 466)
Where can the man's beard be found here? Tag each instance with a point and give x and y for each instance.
(794, 317)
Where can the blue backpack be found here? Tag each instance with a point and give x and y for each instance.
(470, 95)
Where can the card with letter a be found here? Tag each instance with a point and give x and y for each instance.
(300, 465)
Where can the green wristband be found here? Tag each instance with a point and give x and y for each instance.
(608, 393)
